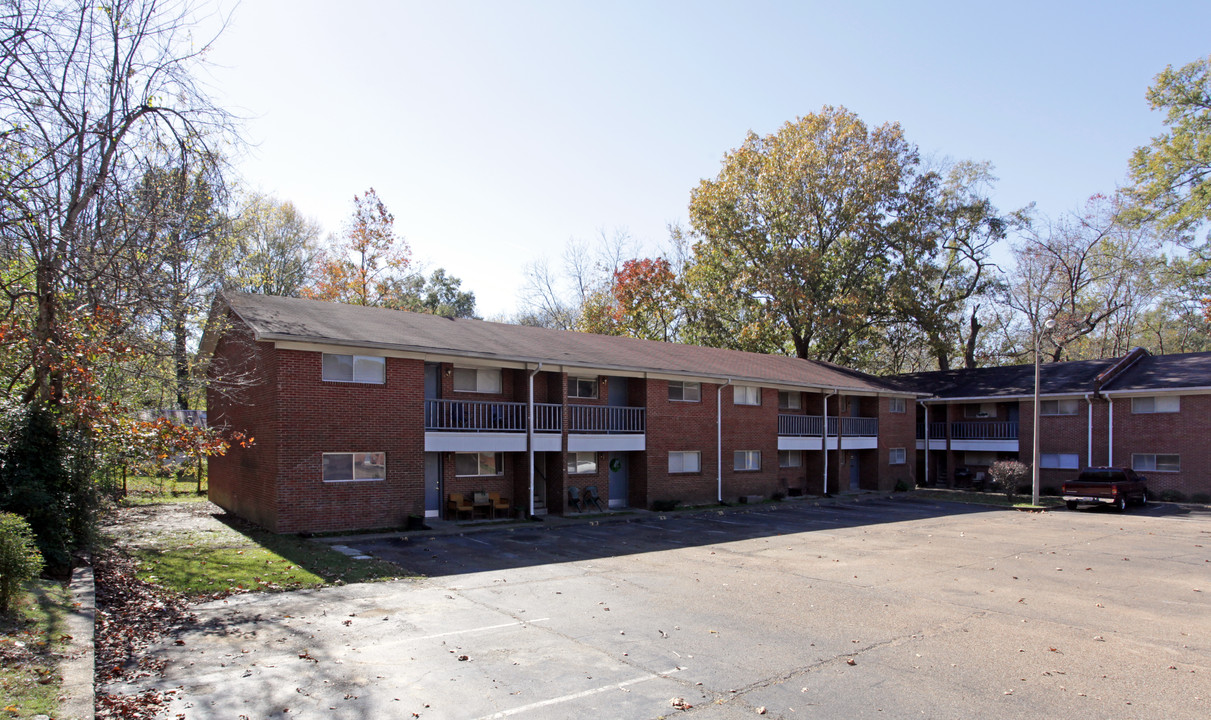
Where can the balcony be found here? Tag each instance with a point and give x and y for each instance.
(806, 432)
(478, 426)
(979, 435)
(984, 431)
(607, 419)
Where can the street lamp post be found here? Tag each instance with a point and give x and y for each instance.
(1034, 465)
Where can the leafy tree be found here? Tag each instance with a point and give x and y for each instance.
(792, 252)
(439, 294)
(275, 246)
(371, 266)
(649, 299)
(20, 560)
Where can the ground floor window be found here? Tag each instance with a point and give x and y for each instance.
(582, 463)
(790, 458)
(1156, 463)
(897, 456)
(747, 460)
(1059, 461)
(478, 464)
(347, 467)
(685, 461)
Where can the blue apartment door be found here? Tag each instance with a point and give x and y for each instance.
(433, 484)
(619, 480)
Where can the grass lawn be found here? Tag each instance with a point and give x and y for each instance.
(29, 640)
(144, 490)
(984, 498)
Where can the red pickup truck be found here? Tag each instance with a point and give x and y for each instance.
(1113, 486)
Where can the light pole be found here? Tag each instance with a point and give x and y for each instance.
(1034, 464)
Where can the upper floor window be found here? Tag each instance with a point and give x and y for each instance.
(896, 405)
(582, 387)
(354, 368)
(477, 380)
(746, 395)
(685, 391)
(790, 400)
(347, 467)
(1067, 406)
(980, 410)
(1160, 404)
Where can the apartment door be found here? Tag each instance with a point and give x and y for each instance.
(433, 484)
(616, 397)
(433, 391)
(620, 486)
(855, 477)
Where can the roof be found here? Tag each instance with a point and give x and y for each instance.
(1008, 381)
(273, 318)
(1164, 372)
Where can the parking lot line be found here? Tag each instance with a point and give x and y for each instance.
(481, 629)
(577, 696)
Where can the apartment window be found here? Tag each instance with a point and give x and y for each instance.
(1059, 461)
(582, 463)
(980, 410)
(478, 464)
(746, 395)
(897, 456)
(790, 458)
(477, 380)
(349, 467)
(1156, 463)
(790, 400)
(1162, 404)
(581, 387)
(354, 368)
(747, 460)
(683, 391)
(896, 405)
(683, 461)
(1067, 406)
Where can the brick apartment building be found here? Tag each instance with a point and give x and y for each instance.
(1148, 412)
(363, 417)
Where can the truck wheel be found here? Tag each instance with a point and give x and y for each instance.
(1071, 504)
(1143, 498)
(1120, 504)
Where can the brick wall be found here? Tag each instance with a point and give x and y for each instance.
(1186, 433)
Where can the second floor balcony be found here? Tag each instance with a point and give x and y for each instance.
(472, 416)
(970, 431)
(814, 426)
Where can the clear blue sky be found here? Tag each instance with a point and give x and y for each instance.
(496, 131)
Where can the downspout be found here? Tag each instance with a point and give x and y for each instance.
(530, 436)
(1110, 431)
(825, 439)
(1089, 425)
(926, 408)
(719, 438)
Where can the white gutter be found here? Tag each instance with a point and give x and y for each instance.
(825, 439)
(1199, 390)
(719, 437)
(1110, 431)
(530, 436)
(1089, 426)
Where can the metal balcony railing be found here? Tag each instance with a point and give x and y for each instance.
(479, 416)
(606, 419)
(800, 425)
(859, 426)
(984, 431)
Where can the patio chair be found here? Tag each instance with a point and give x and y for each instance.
(456, 503)
(498, 504)
(591, 497)
(480, 501)
(574, 499)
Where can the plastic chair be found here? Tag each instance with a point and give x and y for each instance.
(574, 499)
(498, 503)
(590, 496)
(456, 504)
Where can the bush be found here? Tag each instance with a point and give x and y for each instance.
(1049, 490)
(664, 505)
(20, 560)
(1172, 496)
(901, 486)
(1008, 475)
(1201, 498)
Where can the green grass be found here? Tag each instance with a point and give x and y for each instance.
(144, 490)
(981, 498)
(29, 638)
(247, 559)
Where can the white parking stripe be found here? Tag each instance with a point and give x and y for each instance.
(480, 629)
(577, 696)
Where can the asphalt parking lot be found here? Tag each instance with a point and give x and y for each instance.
(880, 608)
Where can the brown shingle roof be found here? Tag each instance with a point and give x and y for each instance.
(295, 319)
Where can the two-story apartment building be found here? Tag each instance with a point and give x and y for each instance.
(362, 417)
(1152, 413)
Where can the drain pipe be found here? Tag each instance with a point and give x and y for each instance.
(1089, 425)
(1110, 431)
(719, 439)
(530, 436)
(825, 439)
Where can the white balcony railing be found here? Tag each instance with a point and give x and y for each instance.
(606, 419)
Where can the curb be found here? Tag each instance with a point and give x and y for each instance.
(78, 701)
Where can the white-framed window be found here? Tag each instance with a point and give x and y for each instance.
(354, 466)
(790, 458)
(477, 380)
(746, 395)
(1158, 404)
(896, 405)
(478, 464)
(354, 368)
(685, 461)
(1063, 406)
(582, 387)
(1059, 461)
(980, 410)
(582, 463)
(790, 400)
(685, 391)
(746, 460)
(897, 456)
(1156, 463)
(979, 458)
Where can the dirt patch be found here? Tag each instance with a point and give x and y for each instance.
(148, 526)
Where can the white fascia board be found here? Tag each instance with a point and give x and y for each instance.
(1000, 398)
(1201, 390)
